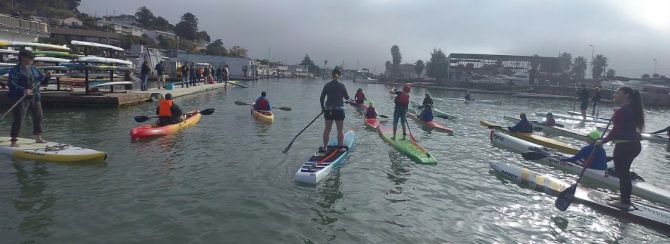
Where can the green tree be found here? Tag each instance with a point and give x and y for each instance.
(418, 67)
(312, 66)
(145, 17)
(216, 48)
(238, 51)
(187, 28)
(598, 66)
(611, 73)
(438, 66)
(162, 24)
(578, 68)
(203, 36)
(565, 61)
(396, 59)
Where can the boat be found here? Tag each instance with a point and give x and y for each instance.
(572, 117)
(554, 130)
(262, 115)
(652, 217)
(436, 112)
(320, 165)
(431, 124)
(49, 151)
(640, 188)
(544, 141)
(152, 130)
(408, 147)
(372, 123)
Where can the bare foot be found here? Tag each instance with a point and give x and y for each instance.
(14, 144)
(38, 139)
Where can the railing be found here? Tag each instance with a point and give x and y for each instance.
(28, 26)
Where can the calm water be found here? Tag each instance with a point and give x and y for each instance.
(226, 180)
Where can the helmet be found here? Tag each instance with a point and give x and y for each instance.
(371, 103)
(595, 135)
(406, 88)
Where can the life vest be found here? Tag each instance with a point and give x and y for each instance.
(262, 104)
(402, 100)
(164, 108)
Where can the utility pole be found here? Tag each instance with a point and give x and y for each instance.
(593, 48)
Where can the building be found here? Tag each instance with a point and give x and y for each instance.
(403, 72)
(66, 35)
(70, 22)
(124, 19)
(299, 70)
(502, 68)
(20, 29)
(154, 34)
(121, 28)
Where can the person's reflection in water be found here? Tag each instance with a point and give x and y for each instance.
(32, 200)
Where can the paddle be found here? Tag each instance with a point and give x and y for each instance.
(567, 196)
(296, 136)
(247, 104)
(143, 118)
(19, 101)
(411, 137)
(227, 82)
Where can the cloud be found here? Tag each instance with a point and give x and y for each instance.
(630, 34)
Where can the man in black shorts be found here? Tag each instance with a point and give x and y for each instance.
(583, 97)
(333, 109)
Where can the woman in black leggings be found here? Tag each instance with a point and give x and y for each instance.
(628, 122)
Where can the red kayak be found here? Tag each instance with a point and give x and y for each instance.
(372, 123)
(152, 130)
(432, 124)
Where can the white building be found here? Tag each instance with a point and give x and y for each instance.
(20, 29)
(299, 70)
(122, 29)
(71, 22)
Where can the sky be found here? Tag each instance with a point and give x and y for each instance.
(631, 34)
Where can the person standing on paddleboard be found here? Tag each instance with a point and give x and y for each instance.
(400, 112)
(595, 100)
(24, 90)
(628, 122)
(583, 97)
(333, 109)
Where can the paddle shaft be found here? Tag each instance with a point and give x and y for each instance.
(303, 130)
(19, 101)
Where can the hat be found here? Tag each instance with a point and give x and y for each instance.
(371, 103)
(168, 96)
(595, 135)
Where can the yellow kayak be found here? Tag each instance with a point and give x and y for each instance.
(544, 141)
(265, 116)
(50, 151)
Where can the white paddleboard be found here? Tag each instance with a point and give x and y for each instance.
(33, 44)
(95, 44)
(50, 151)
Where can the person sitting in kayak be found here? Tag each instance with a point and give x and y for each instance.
(549, 120)
(427, 100)
(427, 113)
(262, 103)
(168, 112)
(359, 98)
(522, 126)
(468, 97)
(599, 160)
(400, 112)
(371, 113)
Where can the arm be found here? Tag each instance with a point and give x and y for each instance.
(516, 127)
(176, 111)
(158, 110)
(346, 94)
(323, 96)
(582, 154)
(13, 81)
(617, 120)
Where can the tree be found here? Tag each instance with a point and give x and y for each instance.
(216, 48)
(611, 73)
(145, 17)
(396, 59)
(162, 24)
(645, 77)
(565, 61)
(237, 51)
(655, 76)
(187, 28)
(598, 65)
(578, 69)
(203, 36)
(312, 66)
(438, 66)
(418, 67)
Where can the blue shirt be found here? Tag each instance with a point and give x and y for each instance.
(19, 81)
(426, 114)
(599, 158)
(523, 126)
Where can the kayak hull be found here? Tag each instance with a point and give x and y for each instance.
(151, 130)
(640, 188)
(571, 117)
(649, 216)
(320, 166)
(262, 115)
(432, 124)
(371, 123)
(407, 147)
(553, 130)
(49, 152)
(544, 141)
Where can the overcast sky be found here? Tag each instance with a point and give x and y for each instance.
(630, 33)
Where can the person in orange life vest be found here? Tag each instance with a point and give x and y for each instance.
(168, 112)
(400, 112)
(359, 98)
(262, 103)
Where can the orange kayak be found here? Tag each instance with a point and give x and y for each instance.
(152, 130)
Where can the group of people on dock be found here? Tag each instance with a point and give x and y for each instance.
(191, 74)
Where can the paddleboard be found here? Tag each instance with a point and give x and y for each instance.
(5, 51)
(111, 83)
(33, 44)
(95, 44)
(51, 60)
(96, 59)
(320, 165)
(55, 54)
(50, 151)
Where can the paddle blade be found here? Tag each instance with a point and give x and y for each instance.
(442, 116)
(288, 147)
(241, 103)
(140, 119)
(565, 198)
(208, 111)
(383, 116)
(285, 108)
(533, 156)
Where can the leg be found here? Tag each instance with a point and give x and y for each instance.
(624, 154)
(36, 108)
(326, 134)
(19, 113)
(396, 117)
(340, 133)
(403, 121)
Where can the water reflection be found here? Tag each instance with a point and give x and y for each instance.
(32, 199)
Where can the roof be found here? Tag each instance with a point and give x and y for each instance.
(83, 32)
(496, 57)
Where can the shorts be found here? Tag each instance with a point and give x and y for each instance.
(584, 106)
(334, 114)
(399, 114)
